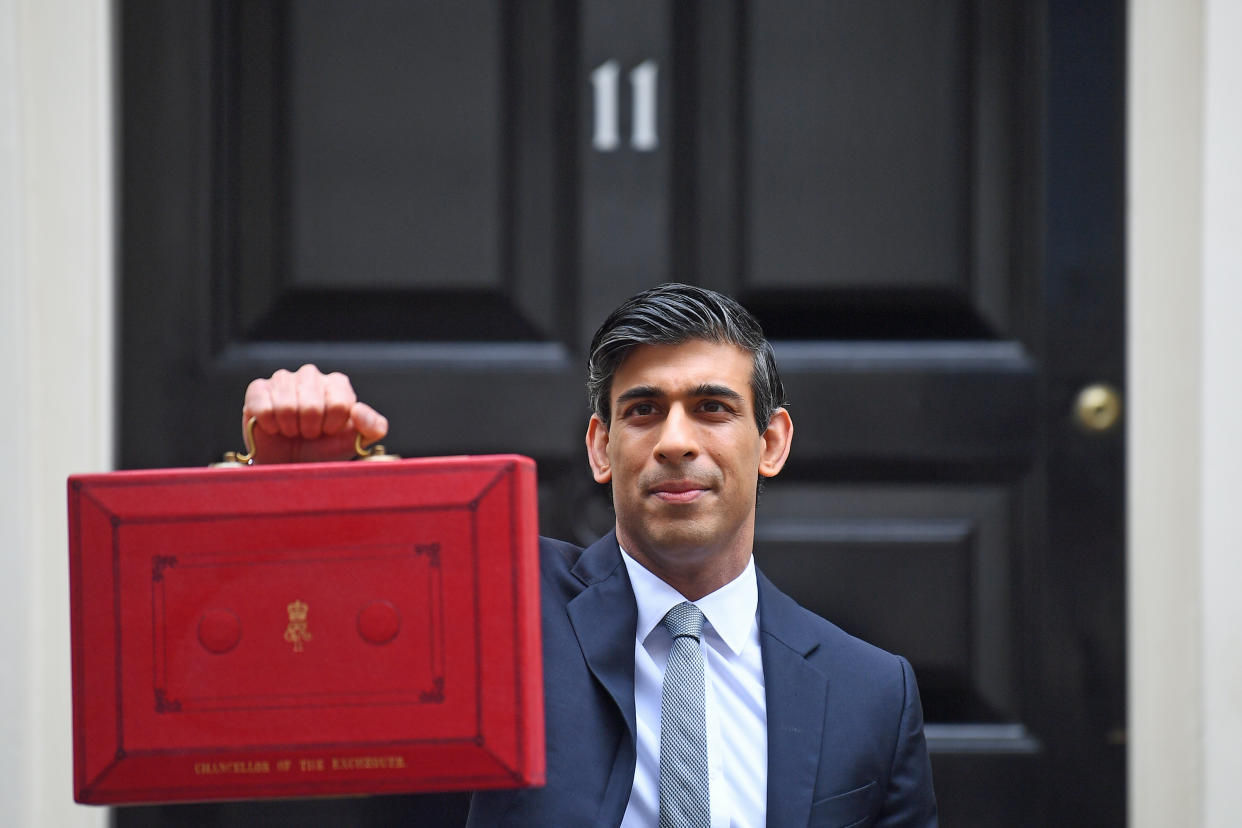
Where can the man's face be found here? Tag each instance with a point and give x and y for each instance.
(683, 455)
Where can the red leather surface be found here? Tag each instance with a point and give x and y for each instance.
(332, 628)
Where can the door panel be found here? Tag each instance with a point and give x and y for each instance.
(392, 181)
(921, 570)
(858, 127)
(920, 200)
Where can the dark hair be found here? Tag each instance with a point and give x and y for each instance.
(671, 314)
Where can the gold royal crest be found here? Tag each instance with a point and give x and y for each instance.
(298, 630)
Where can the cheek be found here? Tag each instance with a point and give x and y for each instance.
(740, 460)
(616, 463)
(626, 453)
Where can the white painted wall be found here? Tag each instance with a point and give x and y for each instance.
(56, 335)
(1185, 469)
(1221, 410)
(1165, 361)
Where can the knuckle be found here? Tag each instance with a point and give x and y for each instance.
(340, 382)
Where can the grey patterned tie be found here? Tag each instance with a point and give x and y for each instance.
(684, 801)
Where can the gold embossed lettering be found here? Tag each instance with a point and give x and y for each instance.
(367, 762)
(232, 767)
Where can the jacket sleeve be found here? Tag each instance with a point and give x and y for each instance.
(909, 799)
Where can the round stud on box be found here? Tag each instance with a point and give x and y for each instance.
(219, 630)
(379, 622)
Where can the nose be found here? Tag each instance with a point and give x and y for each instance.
(677, 439)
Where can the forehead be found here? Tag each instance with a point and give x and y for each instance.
(674, 369)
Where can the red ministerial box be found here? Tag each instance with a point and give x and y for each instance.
(284, 631)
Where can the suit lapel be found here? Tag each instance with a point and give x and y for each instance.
(604, 616)
(796, 694)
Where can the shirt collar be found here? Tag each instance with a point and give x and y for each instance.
(730, 610)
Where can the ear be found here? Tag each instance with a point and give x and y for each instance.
(597, 449)
(776, 442)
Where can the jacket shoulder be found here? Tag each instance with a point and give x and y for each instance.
(557, 560)
(558, 554)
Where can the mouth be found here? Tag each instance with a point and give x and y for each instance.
(678, 491)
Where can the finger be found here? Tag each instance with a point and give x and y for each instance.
(259, 405)
(339, 399)
(368, 422)
(283, 391)
(309, 389)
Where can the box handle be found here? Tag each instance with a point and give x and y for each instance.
(235, 459)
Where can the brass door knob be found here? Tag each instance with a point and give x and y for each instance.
(1097, 408)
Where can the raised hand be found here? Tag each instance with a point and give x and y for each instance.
(307, 415)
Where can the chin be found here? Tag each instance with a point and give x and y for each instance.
(682, 539)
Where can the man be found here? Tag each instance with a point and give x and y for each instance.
(792, 721)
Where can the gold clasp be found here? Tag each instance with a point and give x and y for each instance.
(233, 459)
(375, 452)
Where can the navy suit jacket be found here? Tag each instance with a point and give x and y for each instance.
(845, 726)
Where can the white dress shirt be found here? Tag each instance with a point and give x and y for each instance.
(737, 728)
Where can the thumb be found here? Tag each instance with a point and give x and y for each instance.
(368, 422)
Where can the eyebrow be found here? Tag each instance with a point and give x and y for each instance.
(647, 392)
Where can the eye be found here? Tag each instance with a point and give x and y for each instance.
(714, 407)
(642, 409)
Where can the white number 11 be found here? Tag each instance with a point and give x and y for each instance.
(643, 134)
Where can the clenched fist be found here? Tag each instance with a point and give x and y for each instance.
(308, 416)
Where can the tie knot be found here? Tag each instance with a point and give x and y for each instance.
(684, 619)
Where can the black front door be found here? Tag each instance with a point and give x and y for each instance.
(922, 201)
